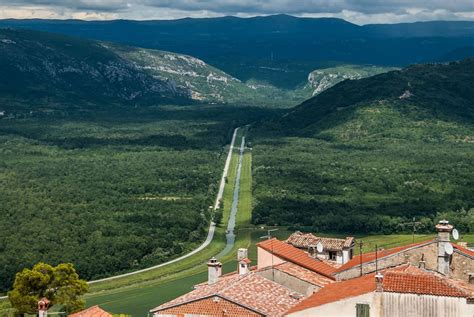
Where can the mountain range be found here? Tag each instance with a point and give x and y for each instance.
(272, 47)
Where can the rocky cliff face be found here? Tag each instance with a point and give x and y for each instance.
(322, 79)
(185, 74)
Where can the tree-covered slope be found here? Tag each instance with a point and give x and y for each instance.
(368, 155)
(44, 68)
(439, 88)
(44, 72)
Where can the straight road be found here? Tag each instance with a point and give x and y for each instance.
(230, 236)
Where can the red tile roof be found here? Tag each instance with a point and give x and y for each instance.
(403, 279)
(463, 249)
(251, 291)
(370, 256)
(94, 311)
(290, 253)
(305, 240)
(210, 306)
(423, 284)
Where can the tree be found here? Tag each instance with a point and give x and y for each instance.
(218, 216)
(60, 285)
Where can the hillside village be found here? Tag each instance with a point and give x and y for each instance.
(215, 158)
(314, 276)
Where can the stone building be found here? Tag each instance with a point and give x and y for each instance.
(339, 251)
(430, 254)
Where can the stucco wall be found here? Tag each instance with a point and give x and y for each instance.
(342, 308)
(461, 266)
(386, 304)
(264, 259)
(290, 281)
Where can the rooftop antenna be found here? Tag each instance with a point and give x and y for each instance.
(376, 259)
(269, 237)
(414, 224)
(361, 243)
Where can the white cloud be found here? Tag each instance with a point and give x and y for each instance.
(357, 11)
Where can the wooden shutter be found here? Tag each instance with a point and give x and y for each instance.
(362, 310)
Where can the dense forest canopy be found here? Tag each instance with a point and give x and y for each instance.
(110, 192)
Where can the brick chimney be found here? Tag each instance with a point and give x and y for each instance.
(214, 270)
(244, 266)
(444, 230)
(379, 282)
(43, 305)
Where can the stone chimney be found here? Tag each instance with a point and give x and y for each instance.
(244, 266)
(214, 270)
(444, 230)
(379, 282)
(43, 305)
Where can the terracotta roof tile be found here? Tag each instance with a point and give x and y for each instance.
(94, 311)
(210, 306)
(289, 253)
(305, 240)
(370, 256)
(250, 290)
(423, 283)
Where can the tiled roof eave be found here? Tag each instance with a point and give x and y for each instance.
(435, 295)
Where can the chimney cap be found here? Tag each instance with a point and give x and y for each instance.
(213, 262)
(444, 226)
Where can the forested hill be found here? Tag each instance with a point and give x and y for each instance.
(44, 69)
(44, 72)
(368, 155)
(443, 89)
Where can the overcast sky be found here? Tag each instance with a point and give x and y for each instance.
(356, 11)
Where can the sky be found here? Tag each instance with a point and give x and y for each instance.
(356, 11)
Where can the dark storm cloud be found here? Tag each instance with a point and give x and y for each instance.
(258, 6)
(101, 5)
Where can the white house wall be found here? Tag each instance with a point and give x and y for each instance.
(342, 308)
(410, 305)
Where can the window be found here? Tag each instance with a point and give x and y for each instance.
(332, 255)
(362, 310)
